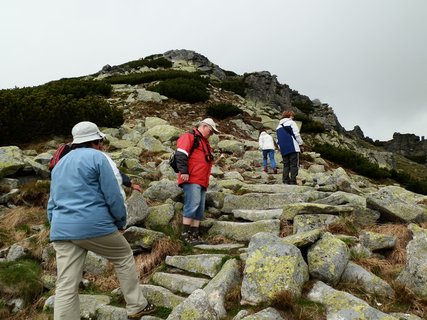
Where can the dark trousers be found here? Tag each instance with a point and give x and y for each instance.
(290, 167)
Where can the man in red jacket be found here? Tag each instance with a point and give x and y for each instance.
(194, 161)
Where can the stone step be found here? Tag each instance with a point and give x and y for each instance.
(243, 231)
(161, 296)
(179, 283)
(206, 264)
(265, 201)
(257, 215)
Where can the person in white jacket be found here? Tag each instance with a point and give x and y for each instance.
(290, 144)
(266, 145)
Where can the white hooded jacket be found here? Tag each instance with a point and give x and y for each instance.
(266, 141)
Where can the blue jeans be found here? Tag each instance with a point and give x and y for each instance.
(194, 201)
(270, 154)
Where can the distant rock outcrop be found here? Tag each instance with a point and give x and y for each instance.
(408, 145)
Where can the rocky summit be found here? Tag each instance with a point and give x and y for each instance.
(338, 245)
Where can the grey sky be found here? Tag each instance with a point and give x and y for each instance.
(367, 58)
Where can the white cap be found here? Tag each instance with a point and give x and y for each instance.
(211, 123)
(86, 131)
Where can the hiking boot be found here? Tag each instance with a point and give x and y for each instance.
(186, 237)
(196, 239)
(265, 170)
(149, 309)
(275, 170)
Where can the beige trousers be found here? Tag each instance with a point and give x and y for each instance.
(70, 258)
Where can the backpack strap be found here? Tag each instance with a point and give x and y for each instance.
(61, 151)
(196, 142)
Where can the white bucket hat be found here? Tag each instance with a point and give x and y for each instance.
(211, 123)
(86, 131)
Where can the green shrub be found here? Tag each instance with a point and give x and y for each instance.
(410, 183)
(159, 62)
(229, 73)
(182, 89)
(237, 86)
(419, 159)
(147, 77)
(352, 160)
(223, 110)
(309, 125)
(78, 88)
(53, 109)
(305, 106)
(21, 279)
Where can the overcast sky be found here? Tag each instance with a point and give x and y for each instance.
(366, 58)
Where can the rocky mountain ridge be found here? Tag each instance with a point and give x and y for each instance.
(336, 246)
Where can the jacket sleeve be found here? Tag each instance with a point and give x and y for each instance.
(183, 148)
(296, 133)
(260, 142)
(50, 206)
(126, 180)
(111, 188)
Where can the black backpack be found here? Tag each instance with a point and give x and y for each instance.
(172, 158)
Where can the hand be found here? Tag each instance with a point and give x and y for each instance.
(185, 177)
(136, 187)
(301, 149)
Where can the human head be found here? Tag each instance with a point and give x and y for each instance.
(288, 114)
(208, 127)
(86, 131)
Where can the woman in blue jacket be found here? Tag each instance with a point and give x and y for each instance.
(86, 210)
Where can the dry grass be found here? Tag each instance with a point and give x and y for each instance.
(105, 282)
(31, 312)
(286, 228)
(15, 224)
(345, 225)
(232, 297)
(404, 300)
(384, 269)
(219, 240)
(23, 215)
(34, 193)
(297, 308)
(147, 263)
(403, 236)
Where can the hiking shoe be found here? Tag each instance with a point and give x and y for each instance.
(186, 237)
(149, 309)
(265, 170)
(275, 170)
(196, 239)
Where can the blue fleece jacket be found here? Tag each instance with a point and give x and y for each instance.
(86, 198)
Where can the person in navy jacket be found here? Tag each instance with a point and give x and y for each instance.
(87, 211)
(290, 144)
(194, 161)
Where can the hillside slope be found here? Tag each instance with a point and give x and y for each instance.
(337, 245)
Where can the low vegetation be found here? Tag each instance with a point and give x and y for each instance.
(53, 109)
(309, 125)
(159, 62)
(183, 89)
(147, 77)
(236, 85)
(21, 279)
(223, 110)
(358, 163)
